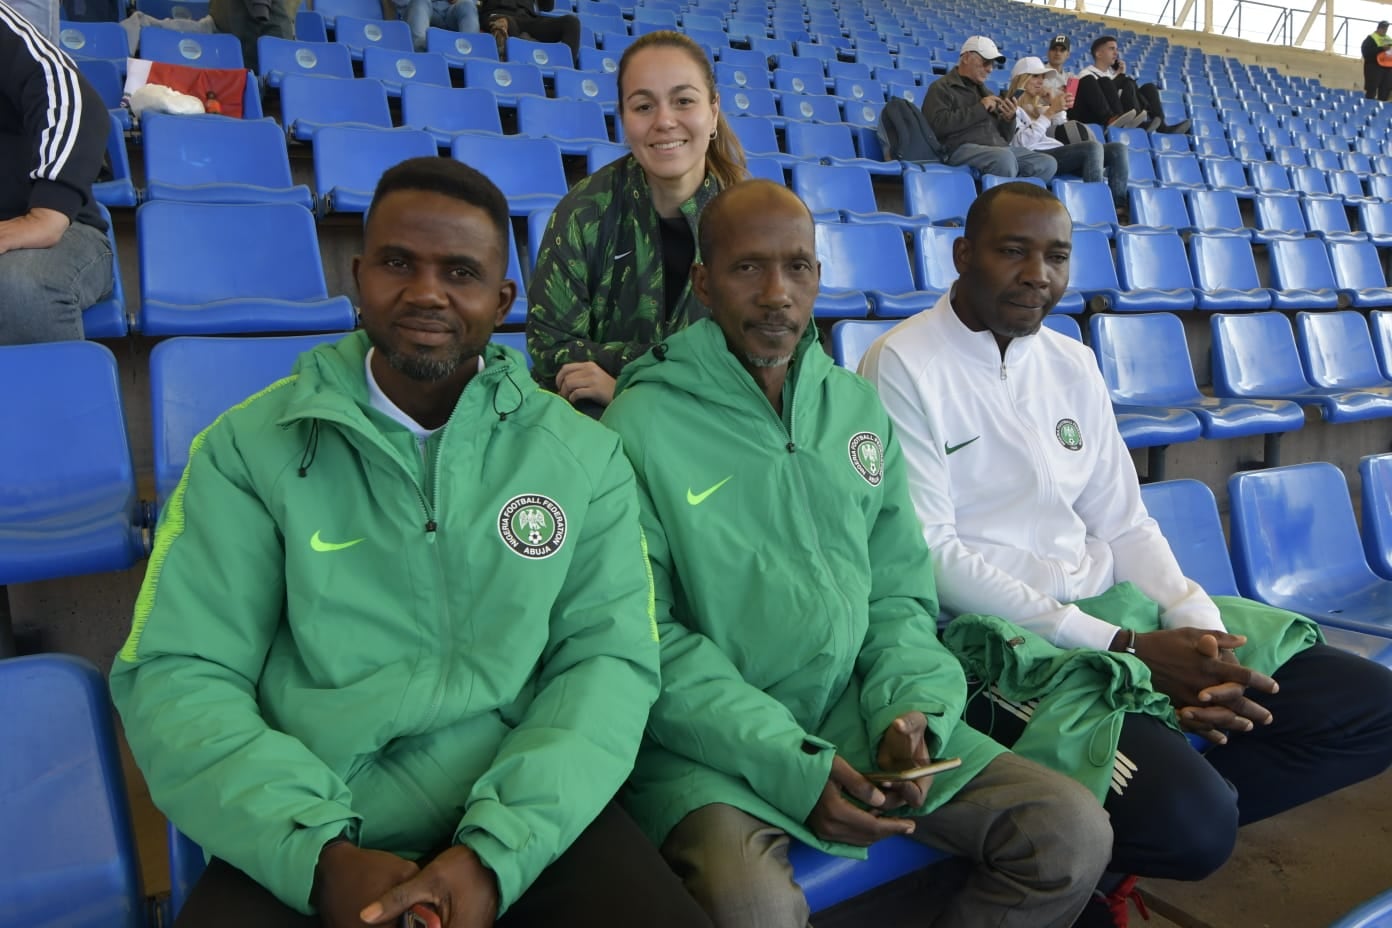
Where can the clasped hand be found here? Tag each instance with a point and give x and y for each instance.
(355, 887)
(1200, 672)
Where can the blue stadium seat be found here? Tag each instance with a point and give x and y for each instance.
(1225, 273)
(1326, 217)
(1153, 270)
(360, 34)
(1227, 174)
(1375, 221)
(216, 159)
(67, 851)
(310, 26)
(249, 268)
(1381, 321)
(68, 503)
(1092, 274)
(1188, 517)
(932, 257)
(745, 58)
(744, 77)
(546, 56)
(596, 61)
(851, 338)
(107, 318)
(195, 380)
(536, 234)
(995, 180)
(859, 89)
(459, 47)
(1288, 156)
(307, 104)
(1375, 913)
(808, 107)
(1217, 211)
(602, 89)
(842, 193)
(1309, 180)
(602, 153)
(1134, 139)
(1301, 275)
(1269, 177)
(186, 865)
(1337, 352)
(528, 171)
(397, 69)
(940, 197)
(279, 57)
(1142, 173)
(751, 101)
(508, 81)
(1171, 142)
(862, 264)
(827, 880)
(446, 112)
(106, 79)
(767, 168)
(1376, 473)
(1089, 204)
(517, 341)
(1295, 545)
(574, 125)
(1358, 273)
(105, 40)
(1346, 185)
(1177, 169)
(193, 49)
(349, 161)
(832, 144)
(1144, 359)
(1215, 146)
(331, 10)
(1255, 356)
(1160, 208)
(1064, 325)
(119, 190)
(756, 136)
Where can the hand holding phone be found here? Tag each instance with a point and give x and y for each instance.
(420, 915)
(913, 773)
(1071, 88)
(1019, 92)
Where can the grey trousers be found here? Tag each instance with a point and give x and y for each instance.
(1004, 161)
(1040, 842)
(43, 291)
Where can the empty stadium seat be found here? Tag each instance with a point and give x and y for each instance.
(68, 502)
(832, 144)
(756, 136)
(508, 81)
(596, 88)
(1381, 322)
(331, 10)
(186, 865)
(348, 162)
(307, 104)
(216, 159)
(1301, 275)
(1376, 471)
(940, 197)
(103, 40)
(1144, 360)
(1217, 211)
(360, 34)
(1089, 204)
(446, 112)
(851, 338)
(574, 125)
(528, 171)
(1153, 270)
(1255, 356)
(1160, 208)
(194, 49)
(1326, 216)
(1179, 169)
(1358, 273)
(1225, 273)
(865, 262)
(279, 57)
(119, 190)
(1227, 174)
(250, 268)
(604, 153)
(397, 69)
(106, 79)
(1337, 351)
(1295, 545)
(67, 851)
(1188, 517)
(459, 47)
(842, 193)
(195, 380)
(808, 107)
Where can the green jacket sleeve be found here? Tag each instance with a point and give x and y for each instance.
(561, 298)
(902, 664)
(185, 684)
(598, 677)
(707, 712)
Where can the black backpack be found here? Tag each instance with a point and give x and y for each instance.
(905, 134)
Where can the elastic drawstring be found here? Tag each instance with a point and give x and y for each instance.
(660, 351)
(503, 413)
(311, 448)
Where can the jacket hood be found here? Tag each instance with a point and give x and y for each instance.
(698, 361)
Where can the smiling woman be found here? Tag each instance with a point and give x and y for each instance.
(612, 276)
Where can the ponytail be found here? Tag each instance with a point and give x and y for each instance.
(725, 156)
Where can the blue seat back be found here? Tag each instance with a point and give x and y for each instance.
(67, 853)
(1144, 358)
(1215, 209)
(1381, 321)
(851, 338)
(1254, 354)
(1224, 172)
(1325, 213)
(1159, 207)
(933, 256)
(196, 50)
(939, 195)
(561, 119)
(581, 85)
(331, 10)
(191, 151)
(68, 502)
(505, 79)
(519, 166)
(1337, 350)
(1375, 217)
(195, 380)
(450, 109)
(1223, 260)
(315, 100)
(1179, 168)
(863, 256)
(1064, 325)
(1152, 260)
(186, 864)
(744, 77)
(1356, 265)
(1087, 203)
(360, 34)
(1293, 531)
(1091, 267)
(1280, 212)
(347, 158)
(827, 188)
(95, 40)
(817, 140)
(545, 55)
(1376, 471)
(394, 66)
(748, 101)
(1269, 176)
(1188, 517)
(811, 107)
(459, 47)
(1344, 183)
(1300, 264)
(278, 57)
(1309, 180)
(755, 134)
(105, 78)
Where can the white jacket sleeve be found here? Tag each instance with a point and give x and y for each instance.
(1030, 131)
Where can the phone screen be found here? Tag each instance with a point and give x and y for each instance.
(1018, 94)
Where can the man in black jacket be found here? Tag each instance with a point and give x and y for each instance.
(54, 257)
(518, 17)
(1377, 80)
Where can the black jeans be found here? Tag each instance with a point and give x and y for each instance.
(1177, 814)
(610, 877)
(546, 29)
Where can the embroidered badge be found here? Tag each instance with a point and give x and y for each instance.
(867, 456)
(533, 526)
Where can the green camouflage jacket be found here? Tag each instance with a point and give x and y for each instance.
(597, 290)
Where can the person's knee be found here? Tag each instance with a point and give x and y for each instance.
(1200, 820)
(36, 308)
(1034, 164)
(463, 16)
(998, 161)
(1079, 845)
(736, 868)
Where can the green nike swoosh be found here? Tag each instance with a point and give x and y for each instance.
(953, 449)
(697, 499)
(319, 544)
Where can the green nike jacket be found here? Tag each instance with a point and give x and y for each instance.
(338, 634)
(792, 584)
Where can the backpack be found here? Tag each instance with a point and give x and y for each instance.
(905, 134)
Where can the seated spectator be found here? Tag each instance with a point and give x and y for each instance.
(394, 646)
(974, 125)
(420, 15)
(1031, 507)
(519, 18)
(1038, 113)
(1090, 103)
(796, 605)
(1118, 92)
(248, 20)
(612, 277)
(55, 260)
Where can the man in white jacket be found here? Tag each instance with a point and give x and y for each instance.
(1030, 504)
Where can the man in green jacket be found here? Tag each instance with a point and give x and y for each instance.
(797, 609)
(394, 644)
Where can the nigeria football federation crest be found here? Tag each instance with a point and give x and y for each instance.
(533, 526)
(1069, 435)
(867, 456)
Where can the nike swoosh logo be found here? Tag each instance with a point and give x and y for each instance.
(319, 544)
(953, 449)
(624, 255)
(697, 499)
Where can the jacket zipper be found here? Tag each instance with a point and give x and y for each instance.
(1041, 465)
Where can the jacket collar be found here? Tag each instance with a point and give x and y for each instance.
(978, 347)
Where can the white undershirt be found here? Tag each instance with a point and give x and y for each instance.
(383, 404)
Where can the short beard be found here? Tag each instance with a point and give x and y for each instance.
(757, 361)
(424, 370)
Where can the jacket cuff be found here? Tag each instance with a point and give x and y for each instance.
(294, 882)
(806, 779)
(46, 194)
(498, 836)
(1080, 630)
(940, 725)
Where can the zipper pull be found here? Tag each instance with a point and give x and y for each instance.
(791, 447)
(430, 527)
(1002, 370)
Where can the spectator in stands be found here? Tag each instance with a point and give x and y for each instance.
(248, 20)
(1030, 505)
(520, 18)
(420, 15)
(1038, 113)
(611, 278)
(796, 606)
(975, 125)
(1120, 91)
(1377, 77)
(1057, 57)
(354, 697)
(55, 260)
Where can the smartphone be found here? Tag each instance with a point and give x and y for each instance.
(913, 773)
(1018, 94)
(420, 916)
(1071, 86)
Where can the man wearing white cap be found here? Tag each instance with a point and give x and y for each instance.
(975, 125)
